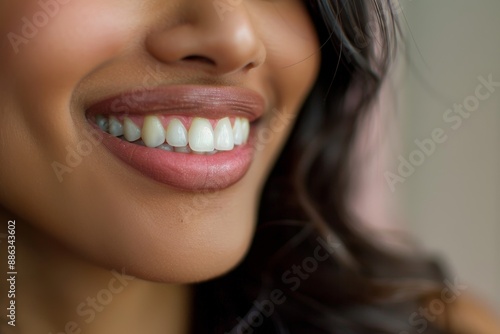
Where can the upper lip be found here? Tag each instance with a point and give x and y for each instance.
(190, 100)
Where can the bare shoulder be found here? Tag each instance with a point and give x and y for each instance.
(470, 315)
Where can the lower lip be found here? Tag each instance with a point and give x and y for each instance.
(187, 171)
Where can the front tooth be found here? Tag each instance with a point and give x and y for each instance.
(245, 129)
(152, 131)
(201, 135)
(237, 132)
(176, 133)
(223, 133)
(115, 127)
(102, 122)
(131, 132)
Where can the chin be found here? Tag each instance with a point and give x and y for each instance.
(192, 255)
(160, 242)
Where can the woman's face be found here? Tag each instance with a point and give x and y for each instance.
(123, 124)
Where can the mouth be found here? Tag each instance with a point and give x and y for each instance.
(188, 137)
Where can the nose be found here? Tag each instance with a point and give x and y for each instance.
(220, 42)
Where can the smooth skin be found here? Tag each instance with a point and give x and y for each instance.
(74, 237)
(104, 215)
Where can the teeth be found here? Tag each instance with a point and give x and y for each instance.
(102, 122)
(245, 129)
(223, 133)
(131, 132)
(115, 127)
(237, 132)
(152, 132)
(176, 134)
(201, 135)
(201, 138)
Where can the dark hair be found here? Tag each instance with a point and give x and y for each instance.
(360, 287)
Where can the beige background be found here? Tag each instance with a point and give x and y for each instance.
(452, 200)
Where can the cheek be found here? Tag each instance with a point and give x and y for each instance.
(39, 74)
(43, 60)
(293, 52)
(292, 61)
(288, 29)
(60, 43)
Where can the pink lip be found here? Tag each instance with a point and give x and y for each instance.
(181, 170)
(190, 100)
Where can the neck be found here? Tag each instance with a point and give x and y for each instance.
(58, 293)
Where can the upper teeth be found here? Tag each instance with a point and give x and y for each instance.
(200, 137)
(176, 134)
(130, 130)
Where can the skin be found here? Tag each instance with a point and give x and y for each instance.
(105, 216)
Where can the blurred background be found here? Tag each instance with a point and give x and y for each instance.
(451, 199)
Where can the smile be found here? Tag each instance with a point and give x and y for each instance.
(178, 134)
(188, 137)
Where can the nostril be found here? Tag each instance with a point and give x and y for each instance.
(200, 59)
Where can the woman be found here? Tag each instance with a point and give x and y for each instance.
(152, 127)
